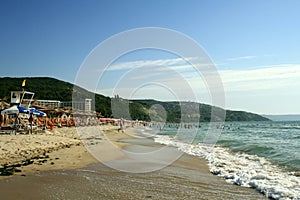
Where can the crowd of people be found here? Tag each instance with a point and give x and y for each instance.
(42, 123)
(50, 123)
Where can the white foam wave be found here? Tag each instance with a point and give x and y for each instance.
(242, 169)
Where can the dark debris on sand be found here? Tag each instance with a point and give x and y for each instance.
(8, 170)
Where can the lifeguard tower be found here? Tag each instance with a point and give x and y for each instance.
(20, 103)
(20, 109)
(21, 98)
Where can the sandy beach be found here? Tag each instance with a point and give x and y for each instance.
(62, 168)
(47, 150)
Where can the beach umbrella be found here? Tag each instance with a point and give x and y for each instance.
(37, 112)
(23, 109)
(31, 111)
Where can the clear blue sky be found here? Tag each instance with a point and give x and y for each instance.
(254, 44)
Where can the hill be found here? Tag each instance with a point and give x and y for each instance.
(173, 110)
(53, 89)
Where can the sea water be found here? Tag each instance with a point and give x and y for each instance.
(261, 155)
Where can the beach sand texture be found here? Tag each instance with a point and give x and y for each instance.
(71, 172)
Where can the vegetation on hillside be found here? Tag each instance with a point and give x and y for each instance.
(53, 89)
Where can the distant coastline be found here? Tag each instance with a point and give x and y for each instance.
(283, 117)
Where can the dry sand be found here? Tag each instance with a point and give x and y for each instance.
(16, 148)
(62, 148)
(187, 178)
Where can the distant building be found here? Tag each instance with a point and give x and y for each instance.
(64, 104)
(83, 105)
(49, 103)
(88, 105)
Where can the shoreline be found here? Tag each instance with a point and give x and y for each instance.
(75, 163)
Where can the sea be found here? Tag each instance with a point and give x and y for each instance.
(261, 155)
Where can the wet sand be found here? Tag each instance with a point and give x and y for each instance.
(187, 178)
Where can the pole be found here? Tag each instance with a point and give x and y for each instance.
(15, 123)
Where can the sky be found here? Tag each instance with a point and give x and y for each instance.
(253, 45)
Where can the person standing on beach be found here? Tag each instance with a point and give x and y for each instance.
(30, 122)
(121, 123)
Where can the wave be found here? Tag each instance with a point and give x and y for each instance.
(242, 169)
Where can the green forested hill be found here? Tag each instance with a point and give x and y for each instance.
(53, 89)
(174, 113)
(44, 88)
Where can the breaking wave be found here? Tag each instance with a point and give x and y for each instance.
(242, 169)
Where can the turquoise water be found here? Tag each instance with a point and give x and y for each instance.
(277, 141)
(261, 155)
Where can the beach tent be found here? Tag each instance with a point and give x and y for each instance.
(19, 109)
(10, 111)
